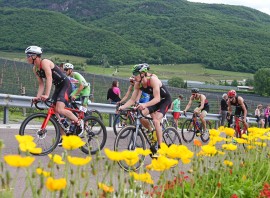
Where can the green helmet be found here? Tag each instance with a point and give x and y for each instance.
(137, 69)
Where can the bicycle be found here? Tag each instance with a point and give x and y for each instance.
(133, 136)
(193, 126)
(239, 128)
(45, 128)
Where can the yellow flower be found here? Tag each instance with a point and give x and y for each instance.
(221, 153)
(56, 184)
(140, 151)
(24, 138)
(29, 147)
(251, 147)
(18, 161)
(78, 161)
(244, 177)
(130, 157)
(260, 143)
(105, 188)
(230, 147)
(39, 171)
(229, 131)
(214, 132)
(72, 142)
(144, 177)
(228, 163)
(113, 155)
(210, 150)
(241, 140)
(56, 159)
(162, 163)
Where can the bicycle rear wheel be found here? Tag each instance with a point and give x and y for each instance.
(123, 120)
(188, 131)
(125, 141)
(206, 135)
(95, 135)
(171, 136)
(47, 139)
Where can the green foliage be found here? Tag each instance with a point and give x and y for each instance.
(221, 37)
(262, 82)
(176, 82)
(234, 83)
(249, 82)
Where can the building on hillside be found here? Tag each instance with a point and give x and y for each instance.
(245, 88)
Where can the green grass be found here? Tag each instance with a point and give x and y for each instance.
(196, 72)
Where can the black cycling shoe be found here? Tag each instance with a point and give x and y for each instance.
(154, 148)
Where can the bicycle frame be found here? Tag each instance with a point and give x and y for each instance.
(238, 120)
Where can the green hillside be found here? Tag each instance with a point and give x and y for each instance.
(221, 37)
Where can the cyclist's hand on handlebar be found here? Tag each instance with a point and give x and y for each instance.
(141, 107)
(44, 97)
(184, 112)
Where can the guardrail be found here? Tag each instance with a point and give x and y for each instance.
(8, 100)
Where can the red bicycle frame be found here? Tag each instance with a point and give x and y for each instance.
(238, 121)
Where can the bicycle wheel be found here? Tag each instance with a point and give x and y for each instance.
(47, 139)
(95, 135)
(120, 122)
(171, 136)
(239, 131)
(205, 134)
(188, 131)
(94, 113)
(125, 141)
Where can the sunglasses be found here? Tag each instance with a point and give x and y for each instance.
(230, 97)
(193, 94)
(135, 73)
(29, 55)
(66, 69)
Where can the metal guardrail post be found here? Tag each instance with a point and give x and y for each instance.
(5, 120)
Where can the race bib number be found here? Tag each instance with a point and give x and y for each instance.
(83, 109)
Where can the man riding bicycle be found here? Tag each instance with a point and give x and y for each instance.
(203, 107)
(240, 106)
(82, 87)
(157, 106)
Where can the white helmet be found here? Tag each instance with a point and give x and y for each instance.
(33, 50)
(68, 66)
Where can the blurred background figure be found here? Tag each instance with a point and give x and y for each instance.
(223, 109)
(175, 107)
(259, 114)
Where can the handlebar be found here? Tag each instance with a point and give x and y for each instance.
(48, 103)
(135, 110)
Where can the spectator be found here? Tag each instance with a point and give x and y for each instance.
(176, 109)
(114, 94)
(266, 116)
(223, 108)
(260, 116)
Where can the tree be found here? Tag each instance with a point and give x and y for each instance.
(262, 82)
(249, 82)
(234, 83)
(176, 82)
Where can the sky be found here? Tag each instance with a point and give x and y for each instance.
(261, 5)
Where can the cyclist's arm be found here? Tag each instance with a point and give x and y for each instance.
(202, 102)
(229, 107)
(133, 97)
(127, 94)
(155, 83)
(81, 84)
(139, 96)
(40, 84)
(48, 72)
(189, 104)
(241, 102)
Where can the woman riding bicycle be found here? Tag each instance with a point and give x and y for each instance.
(161, 98)
(203, 107)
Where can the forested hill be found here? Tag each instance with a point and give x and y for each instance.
(130, 31)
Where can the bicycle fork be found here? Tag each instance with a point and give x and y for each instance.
(132, 143)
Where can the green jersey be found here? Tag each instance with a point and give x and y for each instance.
(81, 80)
(176, 105)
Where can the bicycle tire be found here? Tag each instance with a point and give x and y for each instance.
(171, 136)
(123, 141)
(188, 131)
(46, 141)
(128, 121)
(205, 136)
(95, 134)
(241, 127)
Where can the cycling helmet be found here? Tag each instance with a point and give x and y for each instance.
(195, 90)
(33, 50)
(231, 93)
(144, 67)
(68, 66)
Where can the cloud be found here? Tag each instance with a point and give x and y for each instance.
(261, 5)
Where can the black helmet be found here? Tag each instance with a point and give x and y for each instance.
(195, 90)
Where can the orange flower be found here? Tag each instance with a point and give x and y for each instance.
(197, 142)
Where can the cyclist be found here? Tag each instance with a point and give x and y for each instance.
(83, 88)
(157, 106)
(72, 80)
(203, 107)
(145, 97)
(240, 106)
(46, 69)
(175, 107)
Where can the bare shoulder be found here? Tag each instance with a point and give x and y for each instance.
(47, 62)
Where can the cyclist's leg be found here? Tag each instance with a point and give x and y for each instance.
(202, 116)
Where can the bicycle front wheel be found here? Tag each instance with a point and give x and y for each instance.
(171, 136)
(94, 113)
(95, 135)
(205, 135)
(120, 122)
(47, 139)
(188, 131)
(125, 140)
